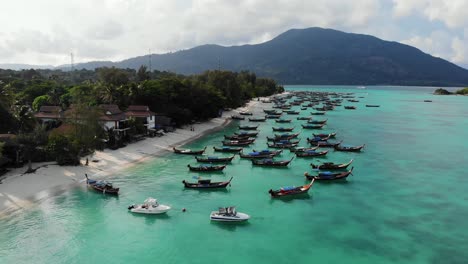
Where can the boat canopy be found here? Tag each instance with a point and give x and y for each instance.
(151, 201)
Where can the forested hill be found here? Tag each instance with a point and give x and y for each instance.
(313, 56)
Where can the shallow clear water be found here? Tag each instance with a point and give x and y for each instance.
(406, 203)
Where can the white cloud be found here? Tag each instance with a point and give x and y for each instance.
(48, 30)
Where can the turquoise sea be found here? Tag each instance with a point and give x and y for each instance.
(406, 203)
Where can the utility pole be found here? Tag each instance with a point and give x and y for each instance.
(149, 60)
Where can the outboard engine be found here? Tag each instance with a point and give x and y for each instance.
(131, 207)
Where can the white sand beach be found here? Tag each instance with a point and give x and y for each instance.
(19, 190)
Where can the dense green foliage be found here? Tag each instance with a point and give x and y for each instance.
(182, 98)
(441, 91)
(314, 56)
(463, 91)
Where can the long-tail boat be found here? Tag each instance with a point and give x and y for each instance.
(324, 135)
(236, 117)
(271, 162)
(245, 113)
(206, 184)
(189, 151)
(329, 176)
(256, 155)
(292, 112)
(269, 151)
(214, 159)
(350, 107)
(104, 187)
(227, 149)
(283, 144)
(302, 149)
(286, 136)
(248, 127)
(368, 105)
(311, 153)
(238, 142)
(237, 137)
(283, 120)
(325, 144)
(331, 165)
(312, 126)
(317, 139)
(206, 167)
(283, 129)
(272, 116)
(304, 118)
(291, 191)
(349, 148)
(318, 113)
(246, 133)
(317, 122)
(258, 119)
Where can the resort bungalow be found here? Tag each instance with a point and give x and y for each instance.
(113, 118)
(49, 115)
(141, 113)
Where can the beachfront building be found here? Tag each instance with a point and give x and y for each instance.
(113, 118)
(49, 115)
(143, 114)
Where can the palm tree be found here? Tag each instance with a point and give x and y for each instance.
(29, 143)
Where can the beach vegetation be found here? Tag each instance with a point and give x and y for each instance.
(463, 91)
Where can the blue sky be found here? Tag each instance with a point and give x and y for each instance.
(47, 31)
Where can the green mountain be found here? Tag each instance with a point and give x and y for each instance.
(313, 56)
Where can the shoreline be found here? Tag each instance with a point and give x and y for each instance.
(22, 191)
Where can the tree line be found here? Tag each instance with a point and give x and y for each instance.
(183, 98)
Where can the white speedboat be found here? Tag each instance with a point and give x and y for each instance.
(149, 206)
(228, 214)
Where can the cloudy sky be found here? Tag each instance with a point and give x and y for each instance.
(47, 31)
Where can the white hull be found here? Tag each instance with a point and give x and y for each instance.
(239, 217)
(161, 209)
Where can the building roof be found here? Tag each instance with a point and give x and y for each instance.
(139, 111)
(111, 113)
(49, 112)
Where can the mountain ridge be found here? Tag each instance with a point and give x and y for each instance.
(311, 56)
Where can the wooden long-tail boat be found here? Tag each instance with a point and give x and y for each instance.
(206, 167)
(304, 118)
(283, 120)
(331, 165)
(237, 137)
(271, 163)
(349, 148)
(282, 144)
(325, 144)
(274, 152)
(291, 191)
(245, 113)
(238, 142)
(227, 149)
(235, 117)
(311, 153)
(206, 184)
(248, 127)
(323, 135)
(256, 155)
(189, 151)
(350, 107)
(259, 119)
(272, 116)
(245, 133)
(104, 187)
(287, 136)
(317, 122)
(311, 126)
(283, 129)
(302, 149)
(317, 139)
(292, 112)
(214, 159)
(329, 176)
(318, 113)
(368, 105)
